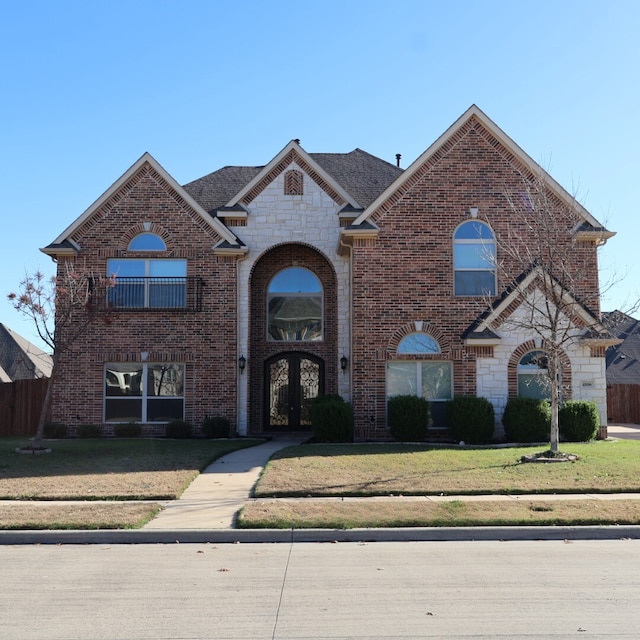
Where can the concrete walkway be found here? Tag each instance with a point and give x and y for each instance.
(213, 499)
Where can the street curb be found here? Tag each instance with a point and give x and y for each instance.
(234, 536)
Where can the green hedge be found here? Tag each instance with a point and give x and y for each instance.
(216, 427)
(179, 429)
(128, 430)
(579, 420)
(408, 418)
(527, 420)
(331, 419)
(470, 419)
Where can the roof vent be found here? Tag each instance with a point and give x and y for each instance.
(398, 156)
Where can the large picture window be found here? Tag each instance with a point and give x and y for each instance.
(474, 259)
(143, 392)
(148, 283)
(294, 306)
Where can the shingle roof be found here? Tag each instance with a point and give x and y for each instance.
(623, 360)
(359, 173)
(20, 359)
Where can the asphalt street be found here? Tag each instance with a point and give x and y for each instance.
(557, 589)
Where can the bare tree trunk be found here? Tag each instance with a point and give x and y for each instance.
(554, 370)
(44, 411)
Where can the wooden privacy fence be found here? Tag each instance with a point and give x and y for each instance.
(623, 403)
(20, 404)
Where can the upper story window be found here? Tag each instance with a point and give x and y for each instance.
(148, 283)
(474, 259)
(294, 306)
(293, 183)
(533, 377)
(147, 242)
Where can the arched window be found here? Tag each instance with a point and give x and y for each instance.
(147, 242)
(430, 379)
(533, 378)
(294, 306)
(474, 259)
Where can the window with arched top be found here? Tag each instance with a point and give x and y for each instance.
(147, 242)
(474, 259)
(427, 378)
(294, 306)
(533, 376)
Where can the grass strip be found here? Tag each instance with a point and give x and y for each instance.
(42, 515)
(352, 514)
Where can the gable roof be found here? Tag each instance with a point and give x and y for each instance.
(481, 331)
(623, 360)
(357, 176)
(20, 359)
(64, 243)
(590, 225)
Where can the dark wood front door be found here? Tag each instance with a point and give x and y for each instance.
(293, 380)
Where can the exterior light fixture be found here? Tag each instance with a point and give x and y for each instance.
(344, 363)
(473, 212)
(242, 363)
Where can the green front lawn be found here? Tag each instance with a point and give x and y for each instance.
(396, 469)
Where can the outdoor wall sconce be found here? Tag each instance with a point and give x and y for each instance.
(242, 363)
(344, 363)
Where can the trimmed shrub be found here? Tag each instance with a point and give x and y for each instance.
(128, 430)
(408, 418)
(579, 420)
(55, 430)
(527, 420)
(331, 419)
(89, 431)
(216, 427)
(470, 419)
(178, 429)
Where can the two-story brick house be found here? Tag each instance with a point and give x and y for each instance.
(248, 292)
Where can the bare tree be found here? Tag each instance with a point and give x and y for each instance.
(62, 308)
(550, 242)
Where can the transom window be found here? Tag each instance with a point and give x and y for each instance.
(418, 343)
(147, 242)
(143, 392)
(533, 380)
(148, 283)
(474, 259)
(294, 306)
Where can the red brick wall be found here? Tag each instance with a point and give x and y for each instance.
(203, 340)
(406, 275)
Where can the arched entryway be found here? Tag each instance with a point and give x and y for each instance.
(292, 381)
(293, 337)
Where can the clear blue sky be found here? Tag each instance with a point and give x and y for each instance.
(88, 87)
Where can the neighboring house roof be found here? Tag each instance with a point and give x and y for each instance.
(20, 359)
(623, 360)
(359, 174)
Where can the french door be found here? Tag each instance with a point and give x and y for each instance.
(293, 380)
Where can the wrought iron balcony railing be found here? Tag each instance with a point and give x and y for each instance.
(156, 293)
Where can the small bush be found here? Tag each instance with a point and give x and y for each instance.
(331, 419)
(128, 430)
(55, 430)
(216, 427)
(408, 418)
(89, 431)
(178, 429)
(579, 420)
(470, 419)
(527, 420)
